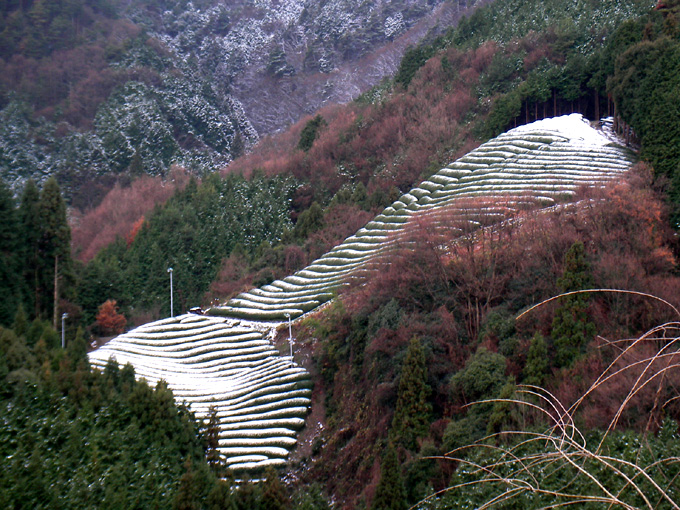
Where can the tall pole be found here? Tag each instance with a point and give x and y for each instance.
(63, 330)
(172, 312)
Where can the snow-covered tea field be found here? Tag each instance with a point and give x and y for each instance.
(534, 164)
(224, 359)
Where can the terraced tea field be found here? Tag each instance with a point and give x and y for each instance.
(226, 358)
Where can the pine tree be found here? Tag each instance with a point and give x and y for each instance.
(248, 496)
(571, 329)
(536, 367)
(390, 493)
(10, 288)
(220, 497)
(212, 435)
(411, 416)
(309, 221)
(29, 216)
(77, 349)
(360, 195)
(136, 168)
(188, 492)
(54, 244)
(274, 496)
(20, 325)
(311, 132)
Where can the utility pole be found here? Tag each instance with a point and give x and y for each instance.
(172, 313)
(63, 330)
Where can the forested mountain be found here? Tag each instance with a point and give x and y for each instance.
(92, 88)
(397, 358)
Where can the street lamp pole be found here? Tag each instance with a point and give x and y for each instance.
(63, 330)
(172, 313)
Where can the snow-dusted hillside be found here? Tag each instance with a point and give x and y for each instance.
(282, 59)
(203, 81)
(261, 397)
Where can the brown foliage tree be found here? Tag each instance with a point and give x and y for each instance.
(136, 227)
(109, 321)
(119, 213)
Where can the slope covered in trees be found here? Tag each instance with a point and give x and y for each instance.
(94, 88)
(382, 145)
(36, 252)
(259, 398)
(460, 306)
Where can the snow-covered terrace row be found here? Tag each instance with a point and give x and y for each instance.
(538, 162)
(226, 361)
(212, 362)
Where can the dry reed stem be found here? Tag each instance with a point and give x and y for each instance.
(569, 446)
(587, 291)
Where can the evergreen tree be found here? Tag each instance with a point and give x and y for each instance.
(274, 496)
(360, 195)
(188, 492)
(310, 497)
(536, 367)
(571, 329)
(10, 289)
(411, 62)
(55, 245)
(20, 325)
(411, 416)
(390, 493)
(220, 497)
(309, 221)
(311, 132)
(136, 167)
(248, 496)
(77, 349)
(29, 215)
(501, 412)
(212, 435)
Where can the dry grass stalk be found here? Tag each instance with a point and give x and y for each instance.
(562, 446)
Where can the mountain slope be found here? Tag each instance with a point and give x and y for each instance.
(260, 398)
(144, 85)
(537, 163)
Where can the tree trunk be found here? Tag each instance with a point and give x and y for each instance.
(526, 111)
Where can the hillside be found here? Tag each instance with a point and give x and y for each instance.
(450, 96)
(229, 365)
(297, 55)
(431, 241)
(91, 89)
